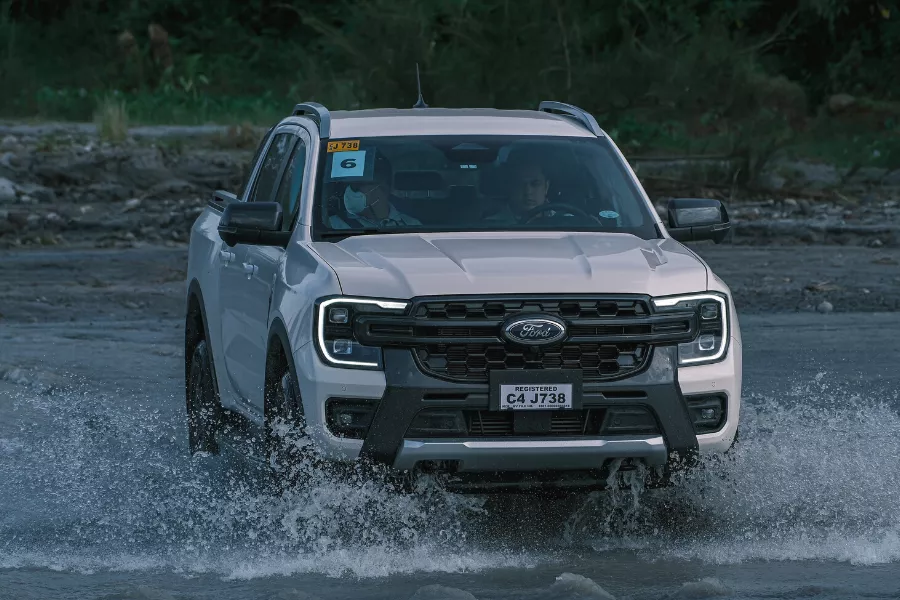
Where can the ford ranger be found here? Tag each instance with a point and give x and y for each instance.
(485, 294)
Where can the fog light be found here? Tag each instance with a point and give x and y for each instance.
(349, 418)
(342, 347)
(339, 315)
(706, 342)
(707, 412)
(709, 311)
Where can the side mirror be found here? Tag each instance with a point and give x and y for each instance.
(253, 223)
(697, 219)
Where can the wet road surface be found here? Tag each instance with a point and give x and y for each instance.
(98, 498)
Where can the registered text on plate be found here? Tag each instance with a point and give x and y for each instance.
(543, 396)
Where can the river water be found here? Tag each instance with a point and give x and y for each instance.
(98, 498)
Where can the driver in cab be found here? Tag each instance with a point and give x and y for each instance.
(528, 188)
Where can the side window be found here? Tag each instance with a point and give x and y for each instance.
(264, 187)
(249, 171)
(292, 184)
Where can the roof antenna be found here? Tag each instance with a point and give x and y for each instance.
(420, 103)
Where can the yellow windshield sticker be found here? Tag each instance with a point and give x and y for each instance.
(343, 145)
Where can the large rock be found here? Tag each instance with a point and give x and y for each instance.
(144, 169)
(106, 192)
(38, 192)
(213, 170)
(7, 191)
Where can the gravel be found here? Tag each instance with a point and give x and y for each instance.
(73, 190)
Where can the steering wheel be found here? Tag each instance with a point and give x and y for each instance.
(532, 213)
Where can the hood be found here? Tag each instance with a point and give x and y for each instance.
(408, 265)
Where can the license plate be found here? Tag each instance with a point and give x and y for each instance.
(545, 396)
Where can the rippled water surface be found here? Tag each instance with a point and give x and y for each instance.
(100, 500)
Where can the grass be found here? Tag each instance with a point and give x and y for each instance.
(111, 118)
(145, 108)
(852, 141)
(853, 148)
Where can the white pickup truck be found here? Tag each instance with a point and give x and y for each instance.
(485, 294)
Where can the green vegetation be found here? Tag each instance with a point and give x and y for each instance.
(111, 118)
(737, 77)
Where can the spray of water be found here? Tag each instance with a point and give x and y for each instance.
(89, 484)
(816, 475)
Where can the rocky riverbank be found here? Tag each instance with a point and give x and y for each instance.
(59, 185)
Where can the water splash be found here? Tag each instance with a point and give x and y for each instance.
(96, 481)
(815, 476)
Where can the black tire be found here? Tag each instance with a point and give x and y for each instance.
(203, 408)
(287, 452)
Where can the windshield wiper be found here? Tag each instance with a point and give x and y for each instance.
(345, 233)
(340, 233)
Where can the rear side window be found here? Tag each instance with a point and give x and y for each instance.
(264, 187)
(291, 185)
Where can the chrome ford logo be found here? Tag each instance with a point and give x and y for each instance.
(534, 331)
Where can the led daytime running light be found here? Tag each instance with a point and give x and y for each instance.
(723, 306)
(323, 314)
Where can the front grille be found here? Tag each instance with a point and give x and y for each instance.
(575, 308)
(473, 362)
(563, 423)
(485, 423)
(459, 339)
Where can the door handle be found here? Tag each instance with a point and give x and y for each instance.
(226, 256)
(250, 270)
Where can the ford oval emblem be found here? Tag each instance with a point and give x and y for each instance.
(534, 331)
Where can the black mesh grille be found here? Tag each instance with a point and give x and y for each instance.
(465, 310)
(463, 338)
(473, 362)
(483, 423)
(598, 361)
(562, 423)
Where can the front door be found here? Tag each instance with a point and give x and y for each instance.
(267, 264)
(243, 301)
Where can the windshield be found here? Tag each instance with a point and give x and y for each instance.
(476, 183)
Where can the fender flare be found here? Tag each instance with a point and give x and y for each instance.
(195, 293)
(278, 334)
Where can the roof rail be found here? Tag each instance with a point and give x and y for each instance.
(317, 113)
(582, 116)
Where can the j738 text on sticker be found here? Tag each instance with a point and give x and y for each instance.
(343, 145)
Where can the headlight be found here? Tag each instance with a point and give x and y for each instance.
(335, 339)
(712, 314)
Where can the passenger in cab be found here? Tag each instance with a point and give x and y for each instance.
(368, 204)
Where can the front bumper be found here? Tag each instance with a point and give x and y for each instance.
(402, 390)
(538, 455)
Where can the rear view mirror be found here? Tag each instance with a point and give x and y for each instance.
(418, 181)
(253, 223)
(697, 219)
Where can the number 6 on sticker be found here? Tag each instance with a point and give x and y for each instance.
(348, 164)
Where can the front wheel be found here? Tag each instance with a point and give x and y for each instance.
(203, 409)
(288, 448)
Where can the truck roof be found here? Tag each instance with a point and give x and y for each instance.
(450, 121)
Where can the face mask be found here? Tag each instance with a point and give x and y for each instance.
(354, 202)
